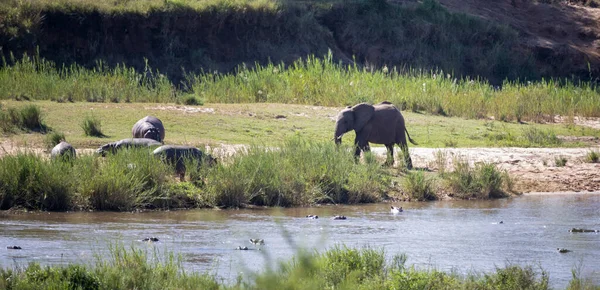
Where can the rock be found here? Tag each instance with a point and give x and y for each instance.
(151, 239)
(13, 248)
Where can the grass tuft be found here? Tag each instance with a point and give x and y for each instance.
(419, 187)
(30, 182)
(53, 138)
(192, 100)
(92, 126)
(484, 181)
(541, 137)
(300, 172)
(592, 157)
(560, 161)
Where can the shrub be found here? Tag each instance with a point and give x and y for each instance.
(92, 126)
(31, 119)
(540, 137)
(7, 121)
(560, 161)
(482, 182)
(124, 181)
(298, 173)
(418, 186)
(28, 181)
(53, 139)
(592, 157)
(192, 100)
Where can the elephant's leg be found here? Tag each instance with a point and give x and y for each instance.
(389, 161)
(356, 148)
(405, 153)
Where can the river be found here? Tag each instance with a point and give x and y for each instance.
(460, 236)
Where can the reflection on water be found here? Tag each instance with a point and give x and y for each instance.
(463, 236)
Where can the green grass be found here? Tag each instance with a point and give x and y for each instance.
(27, 118)
(92, 126)
(419, 186)
(483, 181)
(300, 172)
(30, 182)
(248, 123)
(560, 161)
(592, 157)
(313, 82)
(53, 138)
(337, 268)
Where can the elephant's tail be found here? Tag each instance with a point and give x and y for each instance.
(410, 139)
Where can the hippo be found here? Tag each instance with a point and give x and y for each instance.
(151, 239)
(149, 127)
(578, 230)
(339, 217)
(63, 149)
(113, 147)
(176, 155)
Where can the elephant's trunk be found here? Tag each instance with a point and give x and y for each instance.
(338, 140)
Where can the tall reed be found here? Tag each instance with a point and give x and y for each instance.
(312, 81)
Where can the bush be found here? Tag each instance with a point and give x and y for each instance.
(298, 173)
(28, 181)
(9, 121)
(481, 182)
(31, 119)
(53, 139)
(592, 157)
(540, 137)
(418, 186)
(92, 126)
(124, 181)
(191, 100)
(560, 161)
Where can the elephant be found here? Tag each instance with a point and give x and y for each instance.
(113, 147)
(63, 149)
(380, 124)
(176, 155)
(149, 127)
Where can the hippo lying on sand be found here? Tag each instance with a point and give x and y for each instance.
(149, 127)
(176, 155)
(63, 149)
(113, 147)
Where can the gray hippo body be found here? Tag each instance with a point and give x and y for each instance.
(113, 147)
(176, 155)
(149, 127)
(63, 149)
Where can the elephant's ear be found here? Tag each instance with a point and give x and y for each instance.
(363, 112)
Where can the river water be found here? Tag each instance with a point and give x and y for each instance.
(460, 236)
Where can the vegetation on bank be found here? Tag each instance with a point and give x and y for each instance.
(312, 81)
(336, 268)
(296, 173)
(195, 36)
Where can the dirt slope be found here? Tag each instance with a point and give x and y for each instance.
(550, 30)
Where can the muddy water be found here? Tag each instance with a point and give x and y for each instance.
(462, 236)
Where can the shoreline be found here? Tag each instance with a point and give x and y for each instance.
(533, 169)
